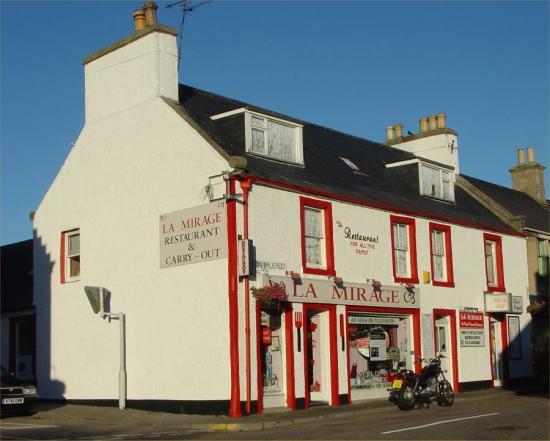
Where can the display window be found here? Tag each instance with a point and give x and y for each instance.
(377, 343)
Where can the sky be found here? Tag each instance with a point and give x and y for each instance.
(354, 66)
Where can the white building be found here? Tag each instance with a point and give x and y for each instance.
(381, 256)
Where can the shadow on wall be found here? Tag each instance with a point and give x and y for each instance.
(48, 388)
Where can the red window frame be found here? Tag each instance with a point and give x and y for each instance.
(411, 224)
(446, 230)
(326, 208)
(499, 276)
(63, 256)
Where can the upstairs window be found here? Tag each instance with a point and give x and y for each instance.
(273, 138)
(436, 183)
(404, 249)
(70, 256)
(316, 227)
(493, 262)
(441, 255)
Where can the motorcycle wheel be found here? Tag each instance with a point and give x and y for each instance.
(446, 396)
(405, 398)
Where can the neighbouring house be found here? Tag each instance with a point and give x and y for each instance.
(18, 314)
(525, 208)
(260, 260)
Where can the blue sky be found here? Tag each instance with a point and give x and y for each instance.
(354, 66)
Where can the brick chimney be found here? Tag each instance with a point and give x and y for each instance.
(528, 177)
(133, 70)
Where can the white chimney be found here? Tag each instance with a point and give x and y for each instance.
(132, 70)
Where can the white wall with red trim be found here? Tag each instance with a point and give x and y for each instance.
(123, 172)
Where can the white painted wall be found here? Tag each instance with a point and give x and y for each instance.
(123, 172)
(434, 147)
(277, 239)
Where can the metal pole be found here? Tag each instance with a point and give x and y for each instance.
(122, 372)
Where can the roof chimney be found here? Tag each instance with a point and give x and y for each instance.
(423, 124)
(441, 120)
(529, 177)
(432, 122)
(150, 9)
(139, 20)
(389, 133)
(398, 130)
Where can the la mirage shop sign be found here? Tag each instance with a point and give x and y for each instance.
(359, 294)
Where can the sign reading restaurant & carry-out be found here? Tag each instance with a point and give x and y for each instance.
(193, 235)
(327, 291)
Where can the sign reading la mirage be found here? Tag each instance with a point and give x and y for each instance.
(193, 235)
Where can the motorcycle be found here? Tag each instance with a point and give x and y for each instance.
(410, 389)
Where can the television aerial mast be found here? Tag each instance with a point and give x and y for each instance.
(187, 6)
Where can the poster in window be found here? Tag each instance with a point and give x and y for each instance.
(514, 338)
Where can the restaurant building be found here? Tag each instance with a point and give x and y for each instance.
(260, 260)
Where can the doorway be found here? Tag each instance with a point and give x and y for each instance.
(320, 363)
(497, 351)
(446, 344)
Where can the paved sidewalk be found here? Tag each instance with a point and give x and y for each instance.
(109, 416)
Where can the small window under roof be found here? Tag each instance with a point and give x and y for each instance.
(350, 164)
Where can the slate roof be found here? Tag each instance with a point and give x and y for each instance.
(17, 277)
(324, 171)
(516, 202)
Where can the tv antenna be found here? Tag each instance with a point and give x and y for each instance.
(187, 6)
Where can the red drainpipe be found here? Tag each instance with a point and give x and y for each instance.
(233, 286)
(245, 186)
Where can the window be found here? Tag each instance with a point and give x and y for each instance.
(436, 182)
(273, 138)
(316, 227)
(493, 262)
(70, 256)
(543, 257)
(404, 249)
(441, 255)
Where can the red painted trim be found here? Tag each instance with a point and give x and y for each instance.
(347, 357)
(329, 245)
(13, 342)
(490, 350)
(245, 187)
(452, 314)
(414, 313)
(382, 206)
(333, 351)
(259, 375)
(289, 352)
(446, 229)
(505, 352)
(411, 223)
(62, 257)
(499, 287)
(235, 402)
(333, 336)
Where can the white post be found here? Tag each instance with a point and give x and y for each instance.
(122, 372)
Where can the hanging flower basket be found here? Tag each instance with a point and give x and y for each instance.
(271, 296)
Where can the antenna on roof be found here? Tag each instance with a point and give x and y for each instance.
(187, 6)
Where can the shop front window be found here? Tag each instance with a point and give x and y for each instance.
(272, 360)
(377, 343)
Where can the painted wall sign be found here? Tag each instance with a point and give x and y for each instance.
(193, 235)
(326, 291)
(472, 328)
(370, 320)
(266, 266)
(361, 242)
(497, 302)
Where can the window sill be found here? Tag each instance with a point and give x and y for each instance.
(443, 284)
(413, 280)
(319, 271)
(496, 289)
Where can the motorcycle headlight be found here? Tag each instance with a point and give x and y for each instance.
(30, 390)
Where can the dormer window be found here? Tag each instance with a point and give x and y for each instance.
(436, 182)
(273, 138)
